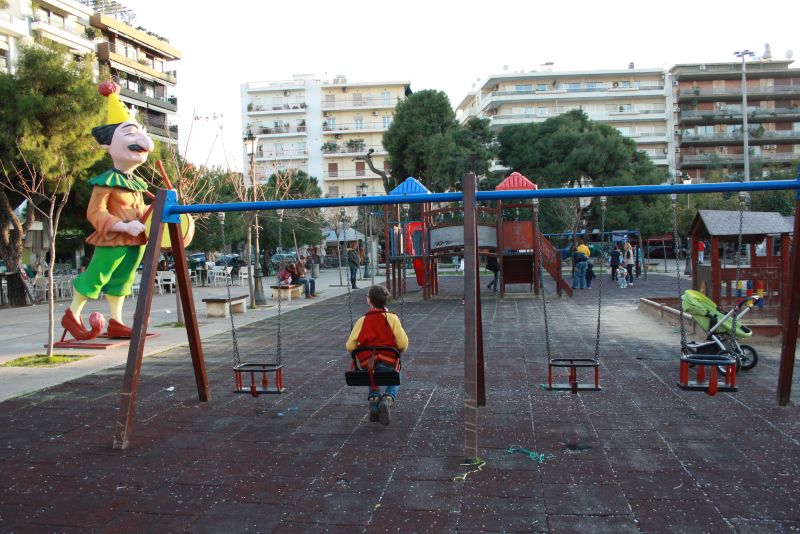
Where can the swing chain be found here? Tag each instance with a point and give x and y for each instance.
(743, 198)
(600, 278)
(236, 358)
(684, 349)
(539, 273)
(278, 355)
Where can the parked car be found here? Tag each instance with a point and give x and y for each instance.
(3, 267)
(279, 259)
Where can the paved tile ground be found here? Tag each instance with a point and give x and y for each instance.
(640, 456)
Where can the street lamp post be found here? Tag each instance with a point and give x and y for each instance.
(339, 242)
(250, 144)
(745, 134)
(362, 192)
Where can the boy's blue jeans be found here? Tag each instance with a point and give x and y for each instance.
(390, 390)
(495, 280)
(579, 278)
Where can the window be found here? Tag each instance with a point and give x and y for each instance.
(386, 97)
(527, 87)
(358, 123)
(358, 99)
(158, 64)
(333, 171)
(541, 87)
(572, 86)
(705, 131)
(330, 101)
(387, 121)
(594, 86)
(279, 149)
(360, 168)
(624, 108)
(542, 111)
(625, 84)
(301, 148)
(333, 191)
(624, 130)
(277, 102)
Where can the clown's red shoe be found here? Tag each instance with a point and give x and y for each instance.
(74, 325)
(117, 329)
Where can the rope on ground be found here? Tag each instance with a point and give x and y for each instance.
(477, 465)
(539, 457)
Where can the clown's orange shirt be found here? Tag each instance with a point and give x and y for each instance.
(110, 205)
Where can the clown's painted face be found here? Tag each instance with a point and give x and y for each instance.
(129, 146)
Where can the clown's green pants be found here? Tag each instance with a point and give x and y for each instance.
(112, 271)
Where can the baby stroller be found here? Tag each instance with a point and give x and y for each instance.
(717, 325)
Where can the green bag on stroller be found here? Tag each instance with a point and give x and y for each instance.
(707, 314)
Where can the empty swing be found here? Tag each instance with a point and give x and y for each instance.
(570, 363)
(723, 362)
(253, 378)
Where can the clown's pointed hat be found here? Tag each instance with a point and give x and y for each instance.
(117, 112)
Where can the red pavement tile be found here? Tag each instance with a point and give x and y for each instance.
(596, 524)
(422, 495)
(407, 520)
(497, 514)
(568, 499)
(590, 471)
(127, 522)
(679, 516)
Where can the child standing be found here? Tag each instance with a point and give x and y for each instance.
(622, 276)
(378, 327)
(589, 274)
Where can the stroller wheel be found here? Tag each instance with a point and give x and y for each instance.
(748, 357)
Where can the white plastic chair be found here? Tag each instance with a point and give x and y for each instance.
(137, 284)
(242, 275)
(165, 278)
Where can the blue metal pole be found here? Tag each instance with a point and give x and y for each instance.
(173, 209)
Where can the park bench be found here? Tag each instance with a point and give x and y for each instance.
(218, 307)
(287, 292)
(652, 266)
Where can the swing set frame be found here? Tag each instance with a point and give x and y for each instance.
(167, 211)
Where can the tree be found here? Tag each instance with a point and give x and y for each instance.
(460, 150)
(570, 150)
(306, 222)
(417, 119)
(49, 107)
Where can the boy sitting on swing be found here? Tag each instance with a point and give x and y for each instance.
(378, 327)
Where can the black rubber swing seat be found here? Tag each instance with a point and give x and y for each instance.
(573, 364)
(361, 377)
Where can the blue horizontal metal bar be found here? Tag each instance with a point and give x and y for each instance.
(619, 191)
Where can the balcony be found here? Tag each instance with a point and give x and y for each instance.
(350, 127)
(158, 45)
(733, 115)
(332, 150)
(703, 160)
(349, 174)
(13, 26)
(360, 103)
(285, 130)
(735, 93)
(277, 155)
(108, 52)
(167, 103)
(296, 106)
(757, 137)
(61, 32)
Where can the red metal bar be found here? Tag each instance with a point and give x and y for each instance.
(189, 315)
(786, 368)
(713, 381)
(130, 384)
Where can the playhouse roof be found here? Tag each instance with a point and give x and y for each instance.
(411, 186)
(725, 225)
(515, 182)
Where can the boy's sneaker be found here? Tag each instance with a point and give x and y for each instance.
(384, 407)
(374, 411)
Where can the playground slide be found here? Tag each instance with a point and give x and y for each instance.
(551, 262)
(706, 313)
(411, 229)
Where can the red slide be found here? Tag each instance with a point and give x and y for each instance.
(411, 229)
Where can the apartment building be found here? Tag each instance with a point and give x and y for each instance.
(318, 126)
(631, 100)
(63, 22)
(138, 60)
(709, 123)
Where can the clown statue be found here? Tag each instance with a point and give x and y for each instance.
(115, 210)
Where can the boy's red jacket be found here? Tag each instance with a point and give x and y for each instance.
(377, 328)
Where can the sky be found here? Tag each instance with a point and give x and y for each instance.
(445, 45)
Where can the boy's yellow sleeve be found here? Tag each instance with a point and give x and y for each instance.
(400, 337)
(352, 341)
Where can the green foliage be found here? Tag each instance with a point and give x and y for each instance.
(458, 151)
(306, 223)
(49, 107)
(426, 142)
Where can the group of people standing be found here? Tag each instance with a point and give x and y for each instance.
(626, 262)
